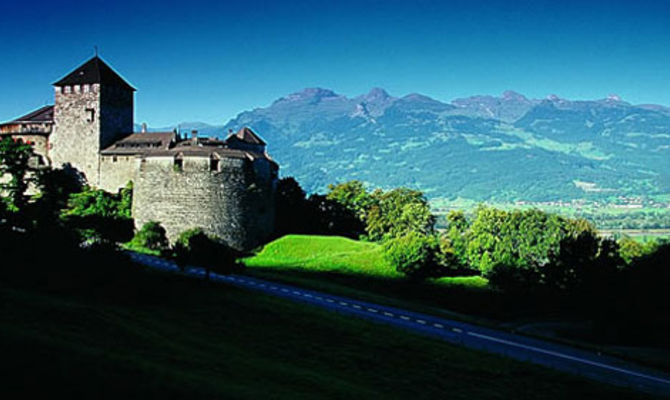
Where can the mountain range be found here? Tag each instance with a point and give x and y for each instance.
(495, 148)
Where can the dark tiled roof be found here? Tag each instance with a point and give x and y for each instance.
(44, 114)
(246, 135)
(94, 71)
(186, 148)
(142, 143)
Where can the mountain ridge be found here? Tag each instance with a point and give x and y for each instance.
(505, 147)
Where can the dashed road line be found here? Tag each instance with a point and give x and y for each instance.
(406, 318)
(373, 310)
(438, 326)
(388, 314)
(457, 330)
(422, 322)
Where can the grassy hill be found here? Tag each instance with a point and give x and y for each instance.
(131, 332)
(324, 253)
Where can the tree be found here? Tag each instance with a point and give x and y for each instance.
(398, 212)
(195, 247)
(353, 196)
(15, 157)
(100, 216)
(415, 255)
(151, 236)
(290, 206)
(329, 217)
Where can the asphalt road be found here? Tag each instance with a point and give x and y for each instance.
(557, 356)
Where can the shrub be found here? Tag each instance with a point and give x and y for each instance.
(151, 236)
(415, 255)
(195, 247)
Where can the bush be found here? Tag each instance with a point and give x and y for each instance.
(415, 255)
(513, 280)
(151, 236)
(195, 247)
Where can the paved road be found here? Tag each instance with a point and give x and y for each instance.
(561, 357)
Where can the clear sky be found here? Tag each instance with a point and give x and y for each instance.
(208, 61)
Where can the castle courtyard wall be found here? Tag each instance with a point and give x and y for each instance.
(116, 171)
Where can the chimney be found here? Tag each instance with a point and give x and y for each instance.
(194, 136)
(144, 127)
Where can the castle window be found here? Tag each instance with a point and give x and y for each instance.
(68, 89)
(90, 115)
(213, 164)
(178, 165)
(114, 159)
(86, 88)
(77, 88)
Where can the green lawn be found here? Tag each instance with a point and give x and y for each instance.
(133, 333)
(335, 254)
(325, 254)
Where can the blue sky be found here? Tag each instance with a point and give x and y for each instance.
(208, 61)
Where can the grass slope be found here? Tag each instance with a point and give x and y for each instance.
(149, 334)
(324, 253)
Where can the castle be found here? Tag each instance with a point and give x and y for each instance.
(226, 187)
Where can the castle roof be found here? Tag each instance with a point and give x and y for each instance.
(245, 135)
(142, 143)
(94, 71)
(44, 114)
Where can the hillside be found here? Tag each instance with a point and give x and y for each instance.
(146, 334)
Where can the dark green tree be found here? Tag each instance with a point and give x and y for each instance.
(151, 236)
(415, 255)
(15, 166)
(397, 212)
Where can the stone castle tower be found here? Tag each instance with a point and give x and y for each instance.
(93, 108)
(226, 187)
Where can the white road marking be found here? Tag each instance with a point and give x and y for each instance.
(372, 310)
(569, 357)
(284, 290)
(308, 295)
(319, 298)
(438, 326)
(330, 300)
(344, 303)
(356, 306)
(296, 292)
(422, 322)
(456, 330)
(406, 318)
(388, 314)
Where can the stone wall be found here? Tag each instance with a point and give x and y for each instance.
(88, 118)
(116, 171)
(75, 138)
(235, 203)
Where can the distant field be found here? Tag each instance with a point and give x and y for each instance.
(151, 335)
(643, 234)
